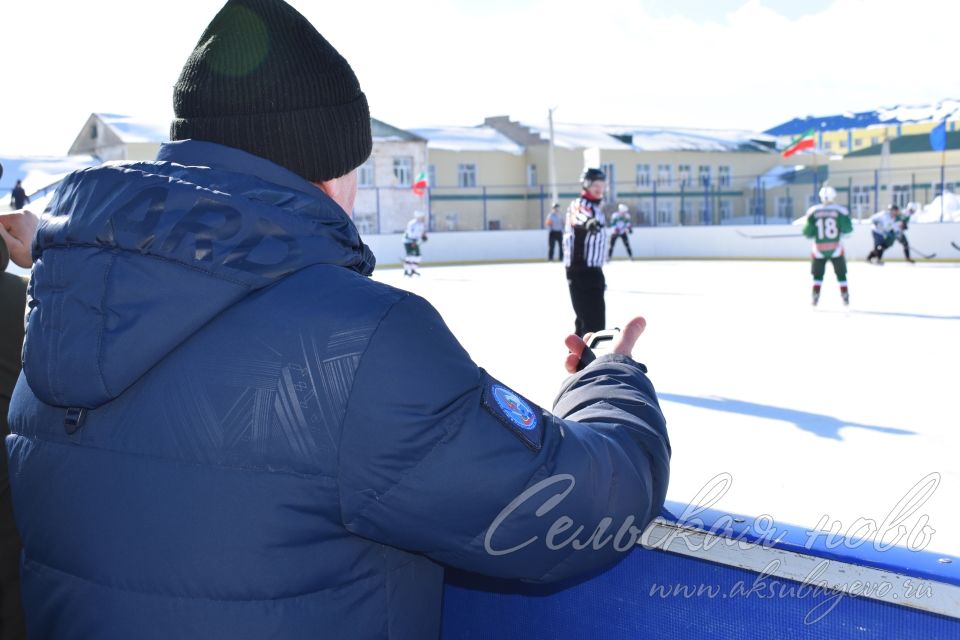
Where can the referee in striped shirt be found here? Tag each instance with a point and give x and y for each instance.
(585, 249)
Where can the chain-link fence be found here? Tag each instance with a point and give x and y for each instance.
(779, 195)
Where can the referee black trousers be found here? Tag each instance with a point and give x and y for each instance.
(586, 293)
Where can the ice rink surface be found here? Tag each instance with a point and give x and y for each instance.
(824, 417)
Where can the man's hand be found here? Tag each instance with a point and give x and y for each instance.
(622, 344)
(18, 230)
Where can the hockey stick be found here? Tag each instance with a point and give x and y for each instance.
(955, 245)
(774, 235)
(925, 256)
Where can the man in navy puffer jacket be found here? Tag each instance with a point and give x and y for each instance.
(225, 429)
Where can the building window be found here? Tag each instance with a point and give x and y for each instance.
(683, 173)
(726, 210)
(431, 176)
(93, 131)
(643, 175)
(365, 176)
(645, 212)
(723, 175)
(843, 144)
(785, 207)
(403, 171)
(665, 178)
(827, 145)
(860, 198)
(874, 140)
(705, 175)
(466, 175)
(610, 170)
(858, 142)
(532, 175)
(900, 195)
(686, 212)
(665, 212)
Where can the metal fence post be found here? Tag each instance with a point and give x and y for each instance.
(430, 222)
(656, 215)
(542, 200)
(876, 189)
(683, 190)
(484, 193)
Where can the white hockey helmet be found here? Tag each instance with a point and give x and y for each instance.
(827, 194)
(420, 215)
(912, 207)
(622, 208)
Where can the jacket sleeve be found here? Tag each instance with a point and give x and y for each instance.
(438, 457)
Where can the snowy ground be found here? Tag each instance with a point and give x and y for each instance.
(826, 412)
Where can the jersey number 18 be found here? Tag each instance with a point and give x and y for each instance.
(827, 229)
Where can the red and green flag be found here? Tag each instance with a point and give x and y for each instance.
(420, 184)
(801, 143)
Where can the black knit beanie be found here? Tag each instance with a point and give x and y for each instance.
(263, 80)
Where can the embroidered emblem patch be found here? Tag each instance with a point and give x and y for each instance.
(515, 412)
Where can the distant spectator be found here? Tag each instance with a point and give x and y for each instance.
(554, 224)
(18, 197)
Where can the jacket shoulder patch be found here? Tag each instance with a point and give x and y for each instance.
(515, 412)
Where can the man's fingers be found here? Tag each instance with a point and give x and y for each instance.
(629, 335)
(575, 344)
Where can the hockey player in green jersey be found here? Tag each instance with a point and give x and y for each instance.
(826, 225)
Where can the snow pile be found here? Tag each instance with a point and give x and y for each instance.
(950, 211)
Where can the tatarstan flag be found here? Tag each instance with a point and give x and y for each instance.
(420, 184)
(800, 143)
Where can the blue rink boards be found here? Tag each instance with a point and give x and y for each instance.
(623, 602)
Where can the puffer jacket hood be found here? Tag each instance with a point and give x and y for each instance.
(133, 259)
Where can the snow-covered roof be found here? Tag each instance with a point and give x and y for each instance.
(479, 138)
(645, 138)
(38, 173)
(579, 136)
(133, 130)
(665, 139)
(787, 175)
(883, 116)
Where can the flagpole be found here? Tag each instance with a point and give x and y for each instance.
(943, 184)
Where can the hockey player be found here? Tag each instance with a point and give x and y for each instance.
(415, 234)
(621, 227)
(827, 223)
(902, 222)
(585, 250)
(884, 232)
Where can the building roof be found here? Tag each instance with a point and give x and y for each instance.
(384, 132)
(863, 119)
(918, 143)
(645, 138)
(479, 138)
(673, 139)
(133, 130)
